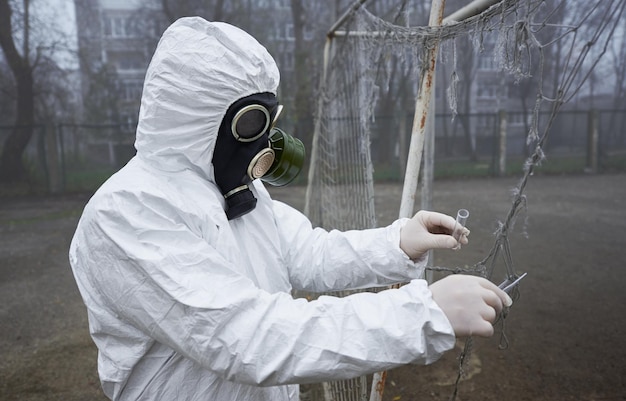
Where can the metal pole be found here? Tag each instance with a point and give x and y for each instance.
(593, 138)
(418, 131)
(416, 148)
(429, 158)
(355, 6)
(428, 176)
(427, 84)
(474, 8)
(502, 121)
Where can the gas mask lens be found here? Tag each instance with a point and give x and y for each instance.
(250, 123)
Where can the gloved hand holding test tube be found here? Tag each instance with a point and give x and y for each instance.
(461, 218)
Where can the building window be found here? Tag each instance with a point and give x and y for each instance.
(289, 35)
(487, 63)
(107, 25)
(122, 27)
(489, 91)
(517, 118)
(132, 90)
(308, 33)
(287, 61)
(131, 28)
(486, 92)
(277, 32)
(115, 27)
(283, 32)
(119, 26)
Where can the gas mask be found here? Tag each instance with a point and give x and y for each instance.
(248, 147)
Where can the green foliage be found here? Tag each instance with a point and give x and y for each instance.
(86, 180)
(463, 168)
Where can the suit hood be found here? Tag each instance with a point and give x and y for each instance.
(198, 70)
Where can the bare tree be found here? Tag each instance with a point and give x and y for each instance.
(7, 103)
(303, 85)
(22, 67)
(38, 86)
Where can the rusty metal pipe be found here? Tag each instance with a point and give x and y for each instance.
(424, 97)
(416, 148)
(474, 8)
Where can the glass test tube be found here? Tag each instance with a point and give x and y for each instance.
(461, 219)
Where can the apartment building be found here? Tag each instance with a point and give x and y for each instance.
(117, 39)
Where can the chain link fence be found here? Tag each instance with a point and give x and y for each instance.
(91, 153)
(492, 144)
(64, 158)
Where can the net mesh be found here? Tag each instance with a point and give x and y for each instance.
(371, 58)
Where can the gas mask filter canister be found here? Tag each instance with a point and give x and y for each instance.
(249, 147)
(288, 160)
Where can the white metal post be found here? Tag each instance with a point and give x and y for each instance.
(422, 106)
(416, 147)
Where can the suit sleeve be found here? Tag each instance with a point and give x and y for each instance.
(320, 260)
(154, 273)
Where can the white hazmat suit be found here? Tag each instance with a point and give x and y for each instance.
(184, 304)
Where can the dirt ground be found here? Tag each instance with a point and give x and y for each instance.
(565, 332)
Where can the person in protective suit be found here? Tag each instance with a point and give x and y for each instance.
(186, 265)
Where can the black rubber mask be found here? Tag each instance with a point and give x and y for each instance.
(242, 152)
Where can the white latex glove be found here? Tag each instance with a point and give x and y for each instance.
(471, 303)
(429, 230)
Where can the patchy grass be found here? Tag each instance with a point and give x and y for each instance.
(464, 168)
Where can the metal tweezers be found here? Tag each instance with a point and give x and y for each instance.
(510, 283)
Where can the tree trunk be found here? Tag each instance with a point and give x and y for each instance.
(11, 166)
(303, 111)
